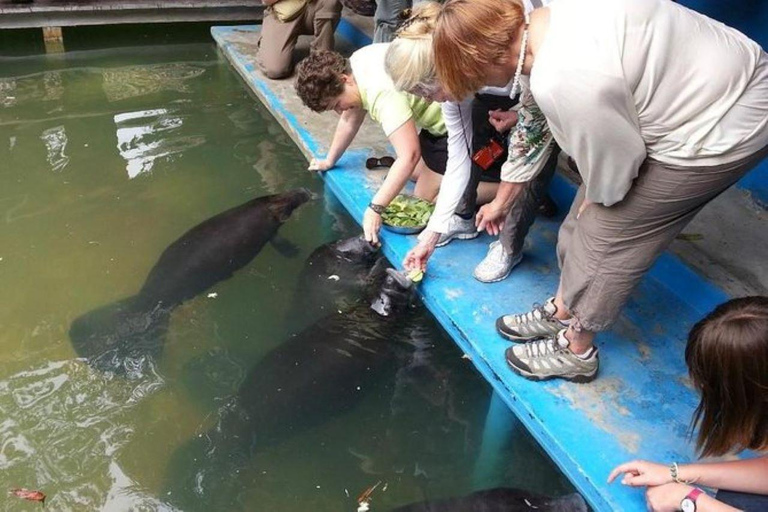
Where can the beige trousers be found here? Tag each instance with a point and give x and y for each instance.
(604, 253)
(278, 39)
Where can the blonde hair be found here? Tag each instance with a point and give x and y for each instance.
(471, 36)
(410, 60)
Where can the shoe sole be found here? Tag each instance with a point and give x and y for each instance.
(489, 281)
(517, 339)
(498, 278)
(459, 236)
(577, 379)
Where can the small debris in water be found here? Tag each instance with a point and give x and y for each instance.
(27, 494)
(213, 295)
(346, 492)
(364, 499)
(467, 356)
(333, 277)
(529, 503)
(384, 489)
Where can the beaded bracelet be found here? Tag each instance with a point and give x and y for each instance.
(674, 472)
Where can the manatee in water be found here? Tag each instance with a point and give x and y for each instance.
(118, 335)
(501, 500)
(335, 277)
(314, 376)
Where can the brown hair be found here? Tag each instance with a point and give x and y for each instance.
(319, 78)
(727, 357)
(471, 36)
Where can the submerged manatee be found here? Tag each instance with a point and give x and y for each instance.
(501, 499)
(311, 378)
(212, 251)
(335, 277)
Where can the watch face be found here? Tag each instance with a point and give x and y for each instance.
(688, 505)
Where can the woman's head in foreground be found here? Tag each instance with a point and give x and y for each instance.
(727, 357)
(473, 42)
(410, 60)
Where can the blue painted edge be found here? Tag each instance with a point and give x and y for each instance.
(681, 281)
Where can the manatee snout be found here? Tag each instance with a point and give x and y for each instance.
(394, 294)
(356, 250)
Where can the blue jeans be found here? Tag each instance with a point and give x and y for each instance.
(744, 501)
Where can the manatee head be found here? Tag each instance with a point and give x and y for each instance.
(282, 205)
(356, 250)
(394, 294)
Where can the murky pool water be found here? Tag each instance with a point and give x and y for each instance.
(106, 158)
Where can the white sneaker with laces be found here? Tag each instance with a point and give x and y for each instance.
(496, 265)
(459, 229)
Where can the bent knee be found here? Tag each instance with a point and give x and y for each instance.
(277, 72)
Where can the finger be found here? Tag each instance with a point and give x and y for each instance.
(501, 226)
(635, 480)
(481, 224)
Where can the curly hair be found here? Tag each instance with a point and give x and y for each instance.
(319, 80)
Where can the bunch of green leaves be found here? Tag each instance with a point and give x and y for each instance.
(408, 211)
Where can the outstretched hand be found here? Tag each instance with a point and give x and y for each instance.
(641, 473)
(320, 164)
(491, 218)
(417, 258)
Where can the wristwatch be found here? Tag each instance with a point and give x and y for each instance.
(377, 208)
(689, 502)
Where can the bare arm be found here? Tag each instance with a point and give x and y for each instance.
(749, 475)
(405, 140)
(346, 129)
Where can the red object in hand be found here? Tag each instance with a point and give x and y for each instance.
(488, 154)
(26, 494)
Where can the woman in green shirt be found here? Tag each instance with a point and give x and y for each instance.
(327, 81)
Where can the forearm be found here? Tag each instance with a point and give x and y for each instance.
(507, 193)
(346, 130)
(749, 475)
(396, 179)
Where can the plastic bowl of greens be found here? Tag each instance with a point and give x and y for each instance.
(407, 214)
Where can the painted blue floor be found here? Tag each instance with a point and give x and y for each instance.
(640, 405)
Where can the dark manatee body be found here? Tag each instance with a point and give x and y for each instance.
(116, 334)
(501, 500)
(335, 277)
(320, 373)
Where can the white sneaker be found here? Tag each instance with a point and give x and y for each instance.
(496, 265)
(551, 358)
(458, 228)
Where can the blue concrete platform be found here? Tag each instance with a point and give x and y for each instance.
(641, 404)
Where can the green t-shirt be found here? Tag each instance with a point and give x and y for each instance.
(385, 104)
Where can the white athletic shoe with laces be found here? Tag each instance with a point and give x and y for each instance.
(551, 358)
(496, 265)
(458, 228)
(540, 322)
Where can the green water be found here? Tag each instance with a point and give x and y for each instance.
(108, 156)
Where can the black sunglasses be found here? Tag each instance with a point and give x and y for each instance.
(373, 162)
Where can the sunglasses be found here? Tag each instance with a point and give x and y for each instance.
(373, 162)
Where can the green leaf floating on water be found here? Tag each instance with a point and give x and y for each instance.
(408, 212)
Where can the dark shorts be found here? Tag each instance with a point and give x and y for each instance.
(434, 150)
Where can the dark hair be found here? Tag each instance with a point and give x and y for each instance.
(319, 78)
(727, 357)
